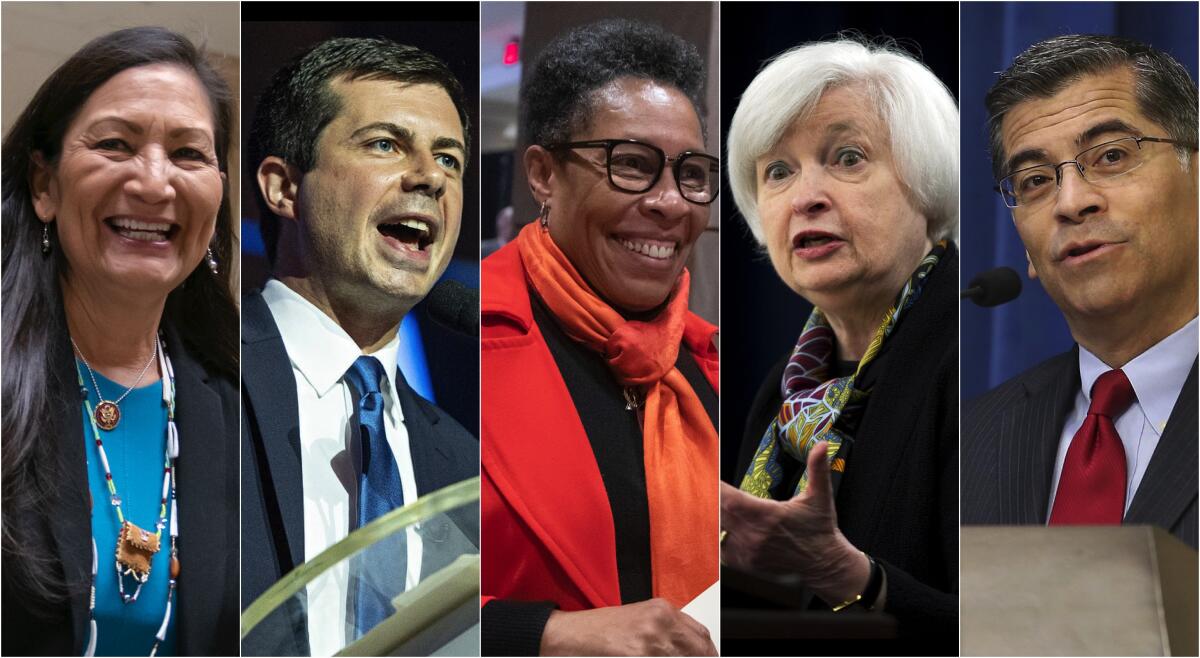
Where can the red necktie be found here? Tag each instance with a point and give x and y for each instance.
(1091, 489)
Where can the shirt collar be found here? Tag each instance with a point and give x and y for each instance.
(1157, 374)
(316, 345)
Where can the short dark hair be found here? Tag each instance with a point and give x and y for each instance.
(1165, 92)
(298, 102)
(557, 95)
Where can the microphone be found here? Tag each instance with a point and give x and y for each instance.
(993, 287)
(454, 306)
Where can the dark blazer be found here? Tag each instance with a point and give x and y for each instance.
(272, 486)
(206, 485)
(898, 499)
(1010, 440)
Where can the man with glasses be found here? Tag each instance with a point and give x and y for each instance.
(1093, 142)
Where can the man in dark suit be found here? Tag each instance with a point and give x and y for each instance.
(359, 147)
(1093, 141)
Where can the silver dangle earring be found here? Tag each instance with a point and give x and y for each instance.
(212, 261)
(544, 216)
(45, 238)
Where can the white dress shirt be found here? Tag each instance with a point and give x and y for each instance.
(321, 353)
(1157, 376)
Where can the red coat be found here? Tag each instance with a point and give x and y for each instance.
(547, 528)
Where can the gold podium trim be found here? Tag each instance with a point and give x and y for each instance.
(444, 499)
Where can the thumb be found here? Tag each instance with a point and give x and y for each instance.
(820, 488)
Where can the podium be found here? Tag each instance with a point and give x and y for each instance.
(419, 563)
(1077, 590)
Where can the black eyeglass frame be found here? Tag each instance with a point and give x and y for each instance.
(609, 144)
(999, 187)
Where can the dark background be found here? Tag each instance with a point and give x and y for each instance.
(440, 364)
(1002, 342)
(762, 317)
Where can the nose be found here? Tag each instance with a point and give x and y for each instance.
(810, 199)
(152, 179)
(664, 199)
(424, 176)
(1077, 199)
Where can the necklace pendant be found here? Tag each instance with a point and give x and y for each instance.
(135, 549)
(631, 399)
(107, 415)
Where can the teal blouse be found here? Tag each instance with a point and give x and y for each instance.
(135, 450)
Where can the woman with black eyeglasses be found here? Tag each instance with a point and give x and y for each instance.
(599, 387)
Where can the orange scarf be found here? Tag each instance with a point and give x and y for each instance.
(680, 441)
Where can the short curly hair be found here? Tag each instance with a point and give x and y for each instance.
(558, 94)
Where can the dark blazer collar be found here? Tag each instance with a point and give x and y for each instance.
(71, 519)
(269, 389)
(1026, 456)
(201, 472)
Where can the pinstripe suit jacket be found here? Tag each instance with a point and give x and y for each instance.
(1010, 438)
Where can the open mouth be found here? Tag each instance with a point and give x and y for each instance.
(415, 234)
(1084, 252)
(655, 249)
(142, 230)
(1079, 251)
(813, 241)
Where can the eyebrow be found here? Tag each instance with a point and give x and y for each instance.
(402, 134)
(1040, 156)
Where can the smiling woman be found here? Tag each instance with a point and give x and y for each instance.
(120, 331)
(599, 387)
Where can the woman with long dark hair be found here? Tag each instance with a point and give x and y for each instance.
(120, 421)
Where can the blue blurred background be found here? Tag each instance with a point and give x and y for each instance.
(998, 343)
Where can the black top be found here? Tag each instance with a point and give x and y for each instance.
(206, 480)
(898, 498)
(515, 628)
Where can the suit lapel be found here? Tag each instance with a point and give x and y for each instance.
(1170, 483)
(1030, 432)
(71, 521)
(432, 463)
(271, 400)
(204, 547)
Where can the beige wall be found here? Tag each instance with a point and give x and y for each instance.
(39, 36)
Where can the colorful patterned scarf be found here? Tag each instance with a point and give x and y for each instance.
(817, 407)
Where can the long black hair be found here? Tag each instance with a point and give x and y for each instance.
(37, 357)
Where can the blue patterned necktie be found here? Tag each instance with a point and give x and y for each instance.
(379, 492)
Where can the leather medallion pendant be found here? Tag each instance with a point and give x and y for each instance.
(135, 549)
(107, 415)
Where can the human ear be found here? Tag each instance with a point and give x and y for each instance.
(41, 186)
(539, 171)
(278, 182)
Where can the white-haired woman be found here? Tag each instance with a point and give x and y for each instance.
(843, 159)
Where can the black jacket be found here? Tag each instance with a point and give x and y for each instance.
(898, 499)
(272, 485)
(1010, 439)
(206, 615)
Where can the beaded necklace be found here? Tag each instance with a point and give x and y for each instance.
(136, 547)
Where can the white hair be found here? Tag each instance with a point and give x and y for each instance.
(918, 110)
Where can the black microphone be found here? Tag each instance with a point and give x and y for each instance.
(455, 306)
(993, 287)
